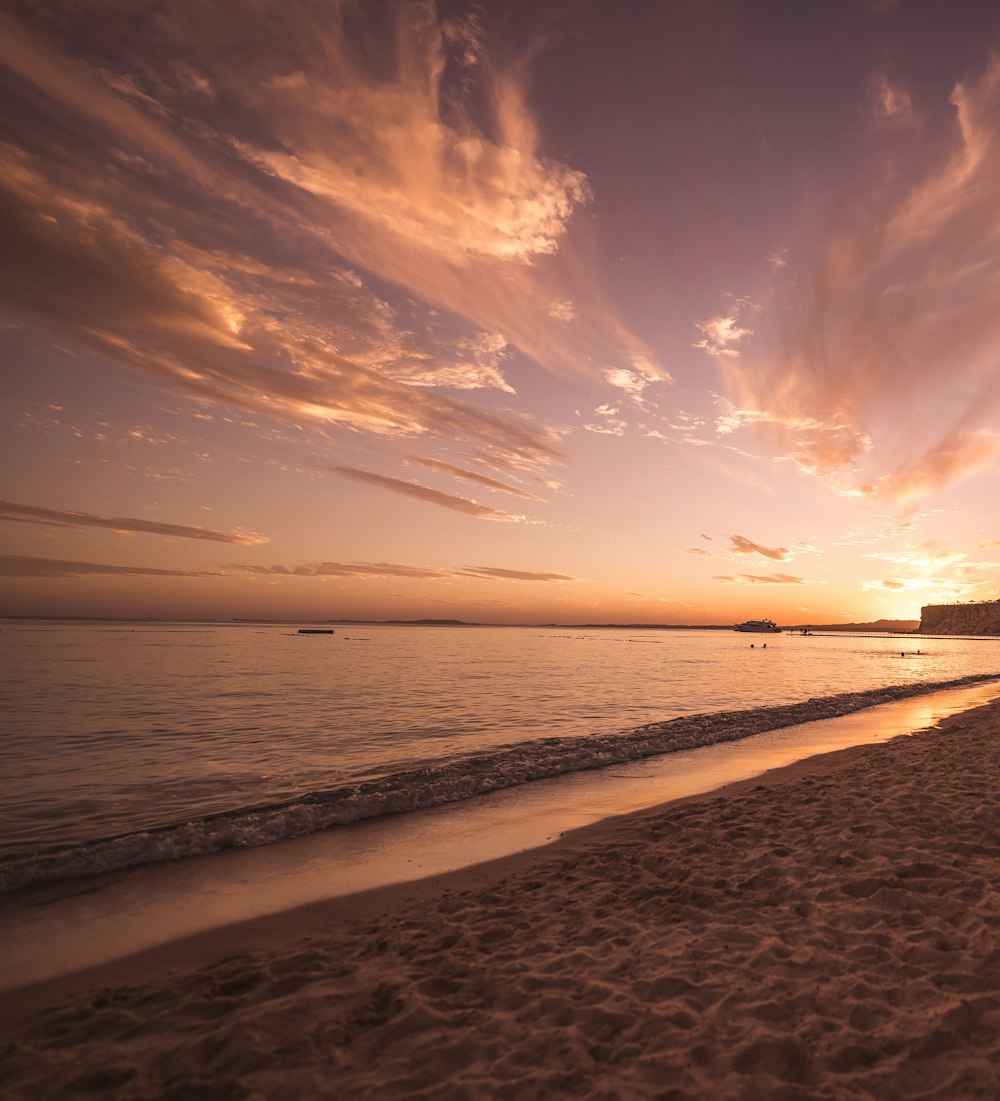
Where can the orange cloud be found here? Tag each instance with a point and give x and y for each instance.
(498, 574)
(353, 570)
(34, 514)
(743, 545)
(722, 336)
(471, 476)
(875, 360)
(425, 493)
(18, 565)
(760, 579)
(346, 183)
(363, 570)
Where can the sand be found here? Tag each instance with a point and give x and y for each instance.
(832, 930)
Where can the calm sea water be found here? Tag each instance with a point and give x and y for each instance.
(111, 731)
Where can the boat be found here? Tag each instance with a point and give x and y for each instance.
(315, 631)
(759, 627)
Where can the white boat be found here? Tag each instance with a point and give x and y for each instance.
(759, 627)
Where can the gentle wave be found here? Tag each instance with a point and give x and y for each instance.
(476, 774)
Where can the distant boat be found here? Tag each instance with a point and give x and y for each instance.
(315, 631)
(759, 627)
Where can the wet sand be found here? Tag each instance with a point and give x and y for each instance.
(829, 930)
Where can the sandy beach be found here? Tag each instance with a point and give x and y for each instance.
(830, 930)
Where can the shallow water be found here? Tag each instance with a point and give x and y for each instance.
(115, 730)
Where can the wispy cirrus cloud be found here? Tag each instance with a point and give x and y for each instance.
(760, 579)
(471, 476)
(28, 566)
(18, 565)
(356, 137)
(497, 573)
(351, 570)
(888, 99)
(35, 514)
(876, 369)
(941, 589)
(385, 224)
(425, 493)
(367, 570)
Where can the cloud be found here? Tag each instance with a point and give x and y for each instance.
(699, 550)
(471, 476)
(888, 100)
(352, 139)
(562, 311)
(34, 514)
(959, 454)
(499, 574)
(13, 565)
(476, 365)
(931, 554)
(353, 570)
(17, 565)
(760, 579)
(929, 588)
(635, 380)
(743, 545)
(354, 218)
(721, 335)
(610, 426)
(625, 380)
(79, 267)
(732, 418)
(424, 493)
(364, 570)
(875, 367)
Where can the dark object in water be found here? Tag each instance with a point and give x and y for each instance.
(315, 631)
(759, 627)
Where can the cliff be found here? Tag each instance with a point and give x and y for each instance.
(961, 619)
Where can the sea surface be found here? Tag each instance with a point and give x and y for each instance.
(125, 744)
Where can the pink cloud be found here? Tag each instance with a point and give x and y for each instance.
(875, 364)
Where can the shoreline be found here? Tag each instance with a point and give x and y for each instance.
(56, 929)
(287, 927)
(825, 930)
(483, 772)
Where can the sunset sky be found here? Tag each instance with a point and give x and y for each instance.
(676, 312)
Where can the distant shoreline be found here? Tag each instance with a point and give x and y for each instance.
(887, 626)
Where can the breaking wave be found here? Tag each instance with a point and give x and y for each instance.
(416, 789)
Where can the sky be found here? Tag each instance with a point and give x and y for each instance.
(512, 312)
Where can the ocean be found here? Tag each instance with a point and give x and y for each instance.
(125, 744)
